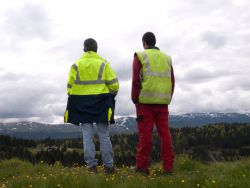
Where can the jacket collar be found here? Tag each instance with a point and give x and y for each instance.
(92, 54)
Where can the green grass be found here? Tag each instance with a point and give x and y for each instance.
(188, 173)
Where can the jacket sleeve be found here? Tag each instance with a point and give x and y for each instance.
(71, 79)
(111, 79)
(136, 80)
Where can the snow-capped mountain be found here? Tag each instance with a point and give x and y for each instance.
(199, 119)
(124, 125)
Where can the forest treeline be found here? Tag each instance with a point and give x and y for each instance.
(218, 142)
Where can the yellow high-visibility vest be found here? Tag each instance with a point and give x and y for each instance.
(156, 77)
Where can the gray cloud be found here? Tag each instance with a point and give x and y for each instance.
(121, 63)
(28, 22)
(210, 97)
(31, 96)
(236, 84)
(69, 50)
(207, 41)
(124, 105)
(199, 75)
(27, 95)
(214, 40)
(124, 70)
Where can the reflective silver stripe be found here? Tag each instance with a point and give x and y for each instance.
(148, 71)
(101, 71)
(77, 72)
(109, 82)
(69, 86)
(89, 82)
(145, 57)
(75, 67)
(155, 95)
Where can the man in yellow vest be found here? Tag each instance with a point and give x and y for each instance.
(152, 90)
(92, 86)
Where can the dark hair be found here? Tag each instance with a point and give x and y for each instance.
(90, 45)
(149, 38)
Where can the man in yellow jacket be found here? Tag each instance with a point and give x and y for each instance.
(92, 86)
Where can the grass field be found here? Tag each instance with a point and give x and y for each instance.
(188, 173)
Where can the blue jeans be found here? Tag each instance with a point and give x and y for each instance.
(102, 130)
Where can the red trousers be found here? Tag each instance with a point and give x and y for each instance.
(147, 116)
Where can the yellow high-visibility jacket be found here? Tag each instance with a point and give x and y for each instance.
(92, 85)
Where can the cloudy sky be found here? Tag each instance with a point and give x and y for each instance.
(40, 39)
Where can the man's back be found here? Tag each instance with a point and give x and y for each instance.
(89, 75)
(156, 77)
(89, 66)
(92, 86)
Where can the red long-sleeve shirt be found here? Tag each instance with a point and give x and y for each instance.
(136, 80)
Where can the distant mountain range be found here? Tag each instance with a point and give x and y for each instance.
(126, 125)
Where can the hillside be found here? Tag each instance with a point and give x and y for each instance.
(213, 143)
(124, 125)
(188, 173)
